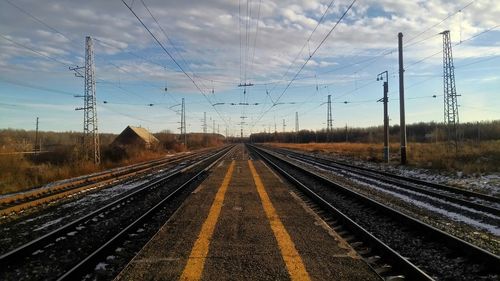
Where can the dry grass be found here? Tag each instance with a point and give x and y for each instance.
(18, 173)
(471, 158)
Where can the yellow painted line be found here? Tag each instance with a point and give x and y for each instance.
(196, 260)
(292, 259)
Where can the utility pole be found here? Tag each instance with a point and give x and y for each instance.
(36, 138)
(329, 119)
(91, 144)
(385, 100)
(213, 127)
(183, 124)
(402, 125)
(346, 137)
(284, 125)
(450, 91)
(296, 122)
(296, 126)
(204, 123)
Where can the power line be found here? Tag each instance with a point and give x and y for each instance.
(255, 38)
(169, 40)
(35, 51)
(454, 45)
(315, 50)
(62, 34)
(308, 59)
(173, 59)
(440, 22)
(304, 45)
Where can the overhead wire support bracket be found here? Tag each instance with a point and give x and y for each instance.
(76, 70)
(245, 85)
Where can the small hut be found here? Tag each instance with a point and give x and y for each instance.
(135, 136)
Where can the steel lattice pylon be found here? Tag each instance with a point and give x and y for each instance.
(90, 131)
(450, 92)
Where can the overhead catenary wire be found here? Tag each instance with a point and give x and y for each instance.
(304, 45)
(174, 60)
(170, 41)
(308, 59)
(69, 40)
(256, 35)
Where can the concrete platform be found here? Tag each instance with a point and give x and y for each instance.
(244, 223)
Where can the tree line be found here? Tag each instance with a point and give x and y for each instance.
(417, 132)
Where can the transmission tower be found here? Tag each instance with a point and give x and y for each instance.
(90, 131)
(284, 126)
(296, 122)
(329, 119)
(183, 123)
(450, 91)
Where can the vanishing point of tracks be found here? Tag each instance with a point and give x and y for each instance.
(396, 245)
(108, 236)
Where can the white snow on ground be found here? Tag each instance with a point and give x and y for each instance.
(493, 229)
(48, 224)
(101, 266)
(86, 176)
(486, 183)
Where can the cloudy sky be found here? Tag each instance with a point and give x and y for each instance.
(281, 47)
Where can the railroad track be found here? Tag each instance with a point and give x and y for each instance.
(71, 251)
(17, 202)
(396, 245)
(474, 200)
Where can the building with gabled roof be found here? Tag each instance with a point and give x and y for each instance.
(135, 136)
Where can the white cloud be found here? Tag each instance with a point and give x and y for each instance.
(207, 35)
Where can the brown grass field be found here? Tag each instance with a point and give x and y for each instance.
(17, 173)
(471, 157)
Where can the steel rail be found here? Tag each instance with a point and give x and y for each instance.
(78, 270)
(400, 182)
(388, 176)
(79, 184)
(23, 250)
(455, 244)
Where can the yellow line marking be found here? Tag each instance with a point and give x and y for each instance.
(196, 260)
(292, 259)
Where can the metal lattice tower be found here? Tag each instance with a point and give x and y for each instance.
(450, 91)
(90, 132)
(329, 119)
(296, 122)
(183, 123)
(284, 126)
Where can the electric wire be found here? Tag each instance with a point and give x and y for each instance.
(173, 59)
